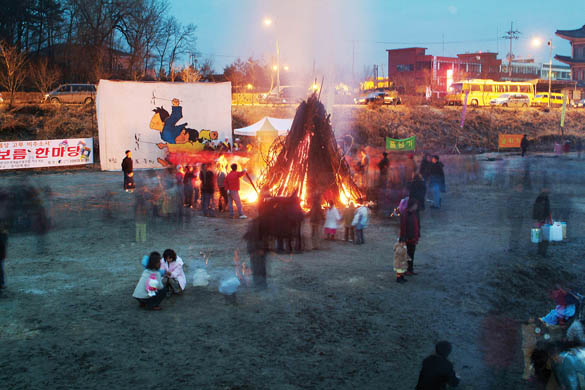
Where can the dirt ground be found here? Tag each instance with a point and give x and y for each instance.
(329, 319)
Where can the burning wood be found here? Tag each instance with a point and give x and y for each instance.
(309, 161)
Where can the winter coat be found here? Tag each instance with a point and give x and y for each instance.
(332, 218)
(425, 168)
(348, 215)
(437, 176)
(127, 166)
(188, 178)
(418, 191)
(176, 270)
(140, 290)
(207, 182)
(316, 215)
(524, 143)
(409, 229)
(436, 373)
(232, 180)
(360, 219)
(400, 258)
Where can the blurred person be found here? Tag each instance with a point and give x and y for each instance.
(578, 147)
(418, 190)
(140, 217)
(524, 144)
(207, 189)
(188, 179)
(383, 166)
(425, 168)
(232, 185)
(400, 262)
(410, 232)
(222, 200)
(150, 290)
(174, 279)
(541, 214)
(437, 371)
(332, 219)
(348, 215)
(365, 167)
(360, 222)
(317, 219)
(409, 168)
(225, 145)
(128, 169)
(436, 181)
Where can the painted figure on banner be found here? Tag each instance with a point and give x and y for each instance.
(179, 138)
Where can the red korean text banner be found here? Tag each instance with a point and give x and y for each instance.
(509, 140)
(48, 153)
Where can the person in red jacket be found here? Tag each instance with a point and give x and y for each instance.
(232, 185)
(410, 231)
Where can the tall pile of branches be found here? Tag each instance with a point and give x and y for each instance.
(309, 161)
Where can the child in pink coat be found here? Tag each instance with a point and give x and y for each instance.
(174, 278)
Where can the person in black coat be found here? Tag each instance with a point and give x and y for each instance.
(128, 169)
(188, 186)
(437, 372)
(418, 190)
(436, 181)
(383, 165)
(425, 167)
(524, 145)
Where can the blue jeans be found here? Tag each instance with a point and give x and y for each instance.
(235, 196)
(206, 202)
(436, 192)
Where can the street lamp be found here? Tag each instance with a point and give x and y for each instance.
(538, 42)
(268, 23)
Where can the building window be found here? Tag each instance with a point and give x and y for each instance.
(405, 67)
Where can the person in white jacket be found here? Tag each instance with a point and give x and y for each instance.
(360, 222)
(332, 218)
(174, 278)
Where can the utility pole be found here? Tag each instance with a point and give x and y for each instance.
(511, 35)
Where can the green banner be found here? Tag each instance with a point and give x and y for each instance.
(564, 109)
(405, 144)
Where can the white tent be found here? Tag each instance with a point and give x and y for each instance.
(266, 123)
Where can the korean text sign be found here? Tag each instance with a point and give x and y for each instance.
(405, 144)
(509, 140)
(46, 153)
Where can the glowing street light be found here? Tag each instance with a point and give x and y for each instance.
(536, 42)
(286, 68)
(249, 86)
(268, 23)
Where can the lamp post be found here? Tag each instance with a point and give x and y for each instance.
(268, 23)
(549, 71)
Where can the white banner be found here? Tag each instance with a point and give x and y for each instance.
(155, 120)
(47, 153)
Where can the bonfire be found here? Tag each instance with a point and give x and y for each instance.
(308, 161)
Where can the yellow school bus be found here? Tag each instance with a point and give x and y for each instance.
(481, 91)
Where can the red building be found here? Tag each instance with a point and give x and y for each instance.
(412, 70)
(577, 59)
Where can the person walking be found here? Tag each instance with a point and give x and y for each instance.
(128, 169)
(317, 219)
(383, 166)
(437, 371)
(347, 216)
(360, 222)
(232, 185)
(436, 181)
(410, 232)
(524, 144)
(222, 200)
(207, 189)
(188, 179)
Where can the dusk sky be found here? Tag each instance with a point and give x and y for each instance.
(327, 31)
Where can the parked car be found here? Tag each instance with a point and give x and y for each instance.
(288, 94)
(541, 99)
(579, 103)
(379, 97)
(72, 93)
(511, 100)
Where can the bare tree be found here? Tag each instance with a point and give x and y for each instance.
(12, 68)
(206, 69)
(190, 75)
(43, 76)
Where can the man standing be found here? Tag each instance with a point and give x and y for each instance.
(437, 181)
(188, 179)
(207, 190)
(232, 185)
(524, 144)
(383, 165)
(437, 372)
(222, 200)
(128, 169)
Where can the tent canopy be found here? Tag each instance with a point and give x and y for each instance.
(266, 123)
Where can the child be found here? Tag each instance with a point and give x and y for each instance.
(400, 261)
(332, 218)
(360, 221)
(150, 290)
(348, 215)
(174, 278)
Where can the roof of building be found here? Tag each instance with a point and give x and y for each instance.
(568, 34)
(568, 60)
